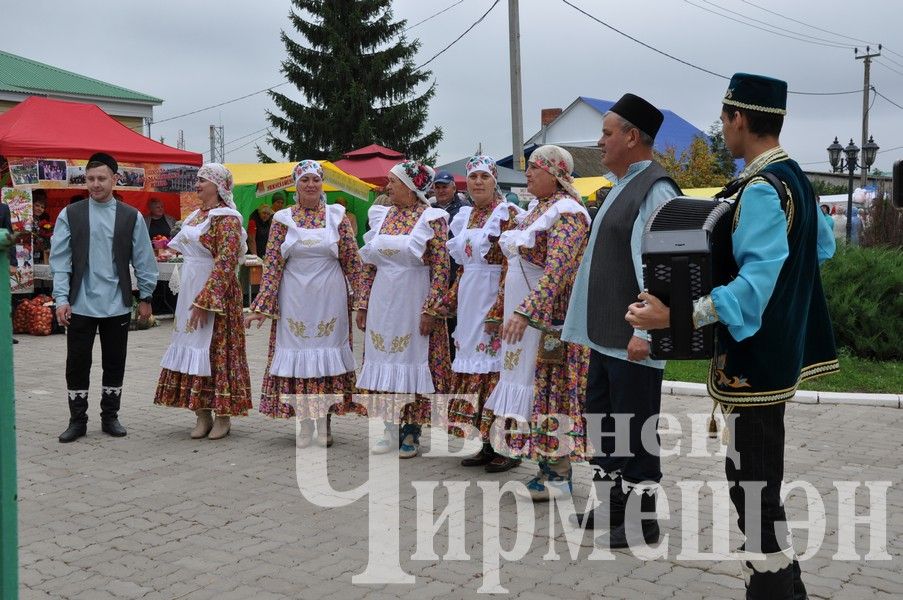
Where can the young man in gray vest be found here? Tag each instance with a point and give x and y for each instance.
(622, 378)
(93, 243)
(772, 328)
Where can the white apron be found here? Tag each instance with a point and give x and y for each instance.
(189, 349)
(475, 350)
(515, 392)
(312, 329)
(396, 356)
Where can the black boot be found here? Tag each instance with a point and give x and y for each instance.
(633, 533)
(109, 412)
(769, 585)
(78, 416)
(481, 458)
(617, 500)
(799, 590)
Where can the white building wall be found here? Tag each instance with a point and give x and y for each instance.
(581, 125)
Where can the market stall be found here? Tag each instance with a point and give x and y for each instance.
(44, 147)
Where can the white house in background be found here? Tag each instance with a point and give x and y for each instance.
(580, 124)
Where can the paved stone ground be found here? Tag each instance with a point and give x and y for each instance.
(157, 515)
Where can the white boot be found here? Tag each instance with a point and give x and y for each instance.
(221, 428)
(203, 426)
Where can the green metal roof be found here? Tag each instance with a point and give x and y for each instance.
(18, 74)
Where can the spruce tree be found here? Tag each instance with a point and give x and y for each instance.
(726, 165)
(355, 71)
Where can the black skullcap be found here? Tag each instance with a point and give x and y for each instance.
(103, 157)
(640, 113)
(757, 92)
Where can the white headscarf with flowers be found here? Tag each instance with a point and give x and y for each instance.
(483, 163)
(559, 163)
(417, 176)
(307, 167)
(221, 178)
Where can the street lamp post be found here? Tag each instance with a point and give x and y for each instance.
(850, 163)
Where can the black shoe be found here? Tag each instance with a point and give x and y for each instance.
(113, 427)
(483, 457)
(15, 341)
(778, 585)
(631, 533)
(78, 417)
(500, 464)
(617, 500)
(75, 430)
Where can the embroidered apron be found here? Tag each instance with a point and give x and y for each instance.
(396, 356)
(475, 350)
(513, 396)
(189, 348)
(312, 329)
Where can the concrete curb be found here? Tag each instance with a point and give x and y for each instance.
(683, 388)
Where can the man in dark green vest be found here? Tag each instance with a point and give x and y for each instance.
(772, 325)
(94, 242)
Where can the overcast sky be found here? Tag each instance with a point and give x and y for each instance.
(196, 53)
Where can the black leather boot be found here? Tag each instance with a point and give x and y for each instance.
(799, 590)
(767, 585)
(481, 458)
(617, 500)
(635, 532)
(109, 412)
(78, 416)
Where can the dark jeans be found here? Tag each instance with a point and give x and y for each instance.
(618, 386)
(114, 337)
(757, 438)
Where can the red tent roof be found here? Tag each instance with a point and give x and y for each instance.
(41, 127)
(370, 163)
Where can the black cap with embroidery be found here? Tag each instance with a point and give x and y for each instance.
(757, 92)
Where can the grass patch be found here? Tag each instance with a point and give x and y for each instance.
(856, 375)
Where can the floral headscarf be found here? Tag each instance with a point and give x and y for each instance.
(485, 164)
(222, 178)
(557, 162)
(417, 176)
(306, 167)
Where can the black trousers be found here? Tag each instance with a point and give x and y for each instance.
(756, 459)
(618, 386)
(114, 338)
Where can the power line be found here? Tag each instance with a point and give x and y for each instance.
(807, 39)
(194, 112)
(888, 99)
(455, 41)
(644, 44)
(888, 67)
(447, 8)
(777, 14)
(245, 136)
(892, 52)
(687, 63)
(890, 149)
(246, 144)
(889, 59)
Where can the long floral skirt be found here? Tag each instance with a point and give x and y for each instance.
(227, 390)
(310, 398)
(559, 390)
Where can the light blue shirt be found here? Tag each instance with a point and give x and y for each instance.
(760, 249)
(99, 294)
(575, 327)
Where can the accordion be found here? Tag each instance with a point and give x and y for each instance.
(686, 252)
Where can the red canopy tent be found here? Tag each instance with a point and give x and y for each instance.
(370, 163)
(42, 127)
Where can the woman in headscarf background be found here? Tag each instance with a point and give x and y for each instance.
(310, 253)
(405, 278)
(205, 368)
(542, 256)
(475, 248)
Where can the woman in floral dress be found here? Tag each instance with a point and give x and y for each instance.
(310, 253)
(405, 279)
(205, 368)
(475, 248)
(542, 255)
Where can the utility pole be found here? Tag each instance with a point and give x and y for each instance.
(217, 147)
(867, 63)
(149, 121)
(180, 140)
(517, 114)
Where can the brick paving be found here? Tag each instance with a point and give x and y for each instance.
(157, 515)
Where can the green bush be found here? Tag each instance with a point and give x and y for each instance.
(864, 288)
